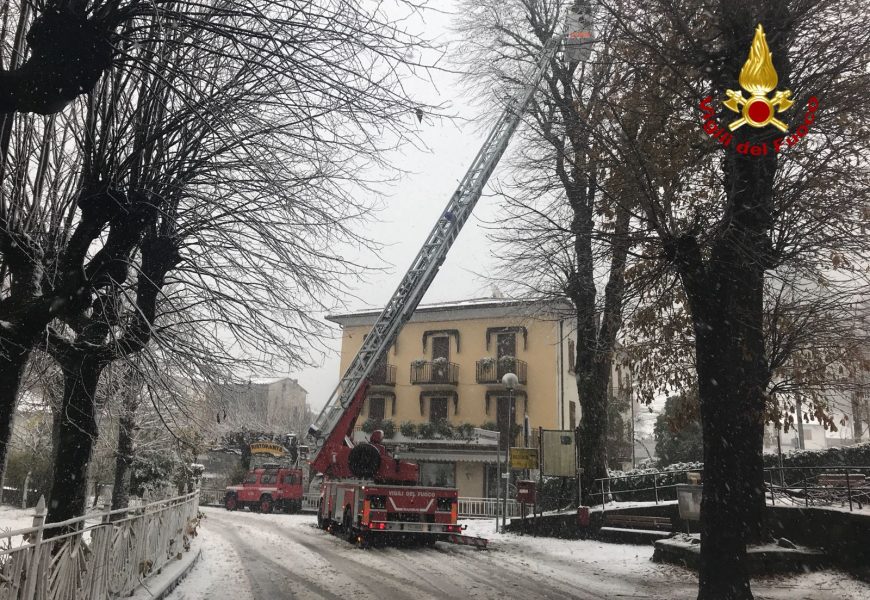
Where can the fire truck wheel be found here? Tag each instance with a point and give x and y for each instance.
(230, 502)
(266, 504)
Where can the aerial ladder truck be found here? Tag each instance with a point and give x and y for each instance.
(366, 492)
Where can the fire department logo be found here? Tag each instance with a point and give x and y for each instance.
(758, 78)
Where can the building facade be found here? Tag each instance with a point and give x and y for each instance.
(445, 369)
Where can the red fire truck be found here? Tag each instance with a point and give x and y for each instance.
(366, 492)
(269, 485)
(386, 503)
(266, 489)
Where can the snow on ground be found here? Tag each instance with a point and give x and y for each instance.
(251, 556)
(15, 518)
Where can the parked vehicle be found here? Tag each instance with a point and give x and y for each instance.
(266, 489)
(357, 510)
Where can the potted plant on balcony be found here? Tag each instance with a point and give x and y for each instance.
(418, 362)
(439, 369)
(487, 361)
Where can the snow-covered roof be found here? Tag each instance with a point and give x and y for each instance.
(469, 307)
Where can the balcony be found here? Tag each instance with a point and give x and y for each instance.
(383, 374)
(425, 373)
(491, 371)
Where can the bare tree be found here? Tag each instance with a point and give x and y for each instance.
(565, 232)
(326, 77)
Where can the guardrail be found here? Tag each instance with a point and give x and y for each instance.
(810, 486)
(487, 507)
(819, 486)
(433, 372)
(212, 496)
(659, 486)
(103, 555)
(468, 507)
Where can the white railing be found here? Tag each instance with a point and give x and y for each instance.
(468, 507)
(105, 555)
(310, 501)
(486, 507)
(212, 497)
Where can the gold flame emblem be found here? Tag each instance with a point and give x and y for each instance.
(759, 78)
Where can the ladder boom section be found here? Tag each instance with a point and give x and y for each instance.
(423, 269)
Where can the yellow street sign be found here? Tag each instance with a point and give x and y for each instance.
(524, 458)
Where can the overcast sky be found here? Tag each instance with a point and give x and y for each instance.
(412, 205)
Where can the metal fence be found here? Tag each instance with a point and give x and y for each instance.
(212, 496)
(656, 486)
(468, 507)
(487, 507)
(843, 486)
(819, 486)
(104, 555)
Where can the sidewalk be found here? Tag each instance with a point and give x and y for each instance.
(160, 585)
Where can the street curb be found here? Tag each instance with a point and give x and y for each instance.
(163, 589)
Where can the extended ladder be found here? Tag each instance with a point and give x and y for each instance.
(413, 287)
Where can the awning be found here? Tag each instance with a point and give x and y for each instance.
(450, 456)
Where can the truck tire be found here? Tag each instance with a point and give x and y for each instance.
(230, 502)
(364, 460)
(265, 504)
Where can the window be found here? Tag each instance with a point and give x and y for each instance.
(572, 359)
(441, 348)
(290, 479)
(506, 353)
(251, 478)
(572, 414)
(376, 408)
(438, 474)
(437, 409)
(269, 477)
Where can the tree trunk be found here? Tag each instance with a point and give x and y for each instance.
(726, 300)
(126, 449)
(595, 343)
(77, 430)
(731, 408)
(13, 361)
(592, 432)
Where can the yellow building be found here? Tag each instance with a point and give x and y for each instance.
(447, 365)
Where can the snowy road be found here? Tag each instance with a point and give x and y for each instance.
(271, 557)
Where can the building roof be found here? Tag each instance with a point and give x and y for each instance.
(271, 380)
(465, 309)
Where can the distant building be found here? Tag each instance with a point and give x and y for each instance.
(446, 367)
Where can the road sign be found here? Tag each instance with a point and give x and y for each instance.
(559, 453)
(524, 458)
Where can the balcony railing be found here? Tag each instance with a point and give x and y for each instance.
(432, 372)
(383, 374)
(491, 371)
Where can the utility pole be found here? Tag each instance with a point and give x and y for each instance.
(800, 421)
